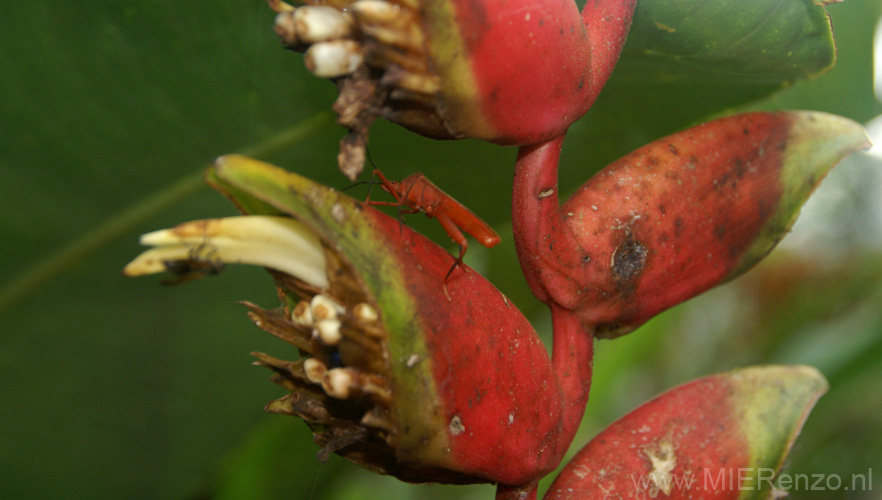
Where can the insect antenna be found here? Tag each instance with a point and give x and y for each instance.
(397, 194)
(370, 160)
(359, 183)
(370, 182)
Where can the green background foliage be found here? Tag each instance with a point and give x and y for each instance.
(121, 388)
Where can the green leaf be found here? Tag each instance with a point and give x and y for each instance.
(688, 59)
(752, 42)
(271, 461)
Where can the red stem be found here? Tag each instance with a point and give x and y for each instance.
(572, 356)
(548, 252)
(573, 359)
(607, 23)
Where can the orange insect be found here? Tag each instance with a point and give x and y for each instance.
(421, 195)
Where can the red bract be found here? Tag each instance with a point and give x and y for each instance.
(399, 372)
(720, 437)
(520, 72)
(673, 218)
(515, 72)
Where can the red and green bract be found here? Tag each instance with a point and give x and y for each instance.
(521, 72)
(475, 397)
(719, 437)
(673, 218)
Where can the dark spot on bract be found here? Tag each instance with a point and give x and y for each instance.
(678, 226)
(628, 262)
(720, 231)
(739, 169)
(674, 150)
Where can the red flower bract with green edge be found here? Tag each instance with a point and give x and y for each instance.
(514, 72)
(399, 372)
(673, 218)
(719, 437)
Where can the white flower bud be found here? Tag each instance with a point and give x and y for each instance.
(324, 307)
(364, 312)
(329, 331)
(320, 23)
(315, 370)
(333, 58)
(338, 382)
(302, 314)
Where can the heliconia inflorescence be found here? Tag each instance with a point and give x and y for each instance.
(400, 372)
(411, 364)
(449, 383)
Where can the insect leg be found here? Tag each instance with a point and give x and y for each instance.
(456, 235)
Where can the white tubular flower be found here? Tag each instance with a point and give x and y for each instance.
(279, 243)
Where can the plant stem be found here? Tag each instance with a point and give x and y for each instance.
(607, 23)
(573, 359)
(549, 254)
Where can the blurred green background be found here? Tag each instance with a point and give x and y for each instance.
(122, 388)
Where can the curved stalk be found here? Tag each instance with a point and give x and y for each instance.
(572, 357)
(547, 250)
(573, 360)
